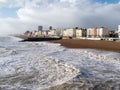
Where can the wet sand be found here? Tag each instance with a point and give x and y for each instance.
(89, 44)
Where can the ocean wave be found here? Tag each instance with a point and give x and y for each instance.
(43, 65)
(6, 52)
(34, 73)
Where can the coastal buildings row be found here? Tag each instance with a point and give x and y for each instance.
(101, 32)
(119, 31)
(98, 32)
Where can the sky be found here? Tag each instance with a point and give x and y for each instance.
(17, 16)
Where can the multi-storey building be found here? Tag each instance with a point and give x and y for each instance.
(119, 31)
(69, 32)
(75, 32)
(81, 32)
(51, 32)
(103, 32)
(78, 32)
(90, 32)
(97, 32)
(40, 28)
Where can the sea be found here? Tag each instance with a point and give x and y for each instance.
(50, 66)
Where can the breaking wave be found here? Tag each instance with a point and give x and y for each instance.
(23, 67)
(43, 65)
(34, 72)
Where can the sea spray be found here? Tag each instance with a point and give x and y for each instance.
(43, 65)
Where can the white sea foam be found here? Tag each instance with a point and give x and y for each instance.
(38, 65)
(24, 66)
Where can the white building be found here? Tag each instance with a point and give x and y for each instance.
(89, 32)
(119, 31)
(39, 33)
(74, 32)
(59, 32)
(44, 33)
(97, 32)
(68, 32)
(34, 34)
(79, 33)
(51, 32)
(102, 32)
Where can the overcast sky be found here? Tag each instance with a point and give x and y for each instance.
(17, 16)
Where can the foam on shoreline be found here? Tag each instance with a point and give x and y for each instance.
(49, 66)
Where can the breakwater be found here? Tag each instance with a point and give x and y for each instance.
(41, 38)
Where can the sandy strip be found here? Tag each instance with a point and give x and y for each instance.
(90, 44)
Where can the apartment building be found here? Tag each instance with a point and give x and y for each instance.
(90, 32)
(119, 31)
(51, 32)
(97, 32)
(69, 32)
(102, 32)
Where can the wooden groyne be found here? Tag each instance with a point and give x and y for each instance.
(34, 39)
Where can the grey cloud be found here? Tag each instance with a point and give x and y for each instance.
(64, 13)
(11, 3)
